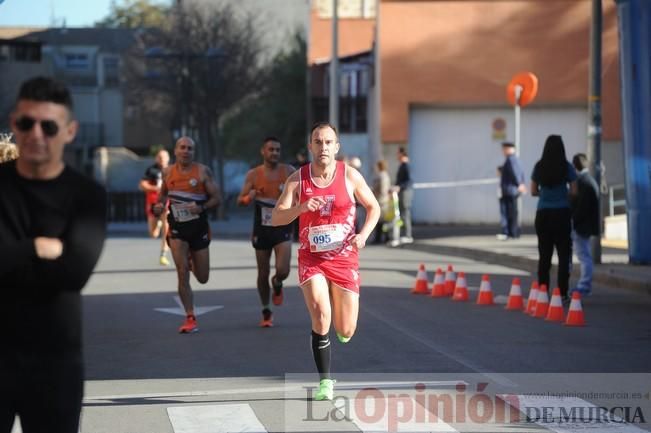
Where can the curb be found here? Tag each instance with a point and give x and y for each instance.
(603, 277)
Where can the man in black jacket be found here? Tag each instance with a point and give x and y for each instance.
(405, 188)
(52, 229)
(511, 186)
(585, 219)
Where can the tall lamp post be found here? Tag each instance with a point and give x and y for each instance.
(594, 110)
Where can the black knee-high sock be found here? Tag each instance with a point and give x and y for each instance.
(321, 352)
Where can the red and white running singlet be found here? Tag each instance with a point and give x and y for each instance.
(325, 235)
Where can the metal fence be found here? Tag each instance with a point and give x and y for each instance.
(129, 206)
(126, 206)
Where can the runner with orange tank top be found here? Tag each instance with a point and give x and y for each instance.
(190, 189)
(322, 195)
(263, 185)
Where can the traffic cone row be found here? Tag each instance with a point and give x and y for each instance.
(420, 286)
(438, 289)
(575, 313)
(485, 296)
(531, 301)
(542, 303)
(515, 301)
(555, 311)
(450, 281)
(538, 303)
(461, 288)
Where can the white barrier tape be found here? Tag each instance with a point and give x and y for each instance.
(426, 185)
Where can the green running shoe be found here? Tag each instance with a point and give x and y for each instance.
(343, 339)
(326, 390)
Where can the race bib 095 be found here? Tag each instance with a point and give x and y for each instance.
(326, 237)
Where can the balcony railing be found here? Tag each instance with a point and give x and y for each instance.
(353, 113)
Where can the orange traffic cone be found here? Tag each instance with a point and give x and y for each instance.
(555, 312)
(515, 301)
(575, 313)
(450, 277)
(531, 301)
(461, 289)
(542, 303)
(438, 289)
(420, 286)
(485, 296)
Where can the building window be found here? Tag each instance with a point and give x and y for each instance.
(111, 65)
(20, 52)
(111, 70)
(4, 52)
(77, 62)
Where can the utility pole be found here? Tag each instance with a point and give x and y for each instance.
(375, 127)
(334, 67)
(594, 109)
(518, 142)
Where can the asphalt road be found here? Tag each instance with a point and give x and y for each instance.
(142, 376)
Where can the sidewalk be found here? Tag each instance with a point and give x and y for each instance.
(473, 242)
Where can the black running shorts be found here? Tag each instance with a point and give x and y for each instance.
(265, 238)
(195, 233)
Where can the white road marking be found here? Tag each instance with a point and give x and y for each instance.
(293, 387)
(221, 418)
(180, 311)
(573, 415)
(17, 428)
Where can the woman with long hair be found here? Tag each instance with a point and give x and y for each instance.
(549, 181)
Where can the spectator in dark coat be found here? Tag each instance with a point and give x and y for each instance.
(512, 184)
(585, 218)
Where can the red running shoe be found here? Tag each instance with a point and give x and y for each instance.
(189, 326)
(267, 319)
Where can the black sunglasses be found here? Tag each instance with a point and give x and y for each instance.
(49, 127)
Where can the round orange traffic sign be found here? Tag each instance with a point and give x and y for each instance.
(528, 83)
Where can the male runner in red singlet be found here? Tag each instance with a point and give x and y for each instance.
(190, 189)
(263, 184)
(151, 184)
(322, 195)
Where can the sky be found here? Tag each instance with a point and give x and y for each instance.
(77, 13)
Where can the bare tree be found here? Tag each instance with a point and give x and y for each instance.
(190, 72)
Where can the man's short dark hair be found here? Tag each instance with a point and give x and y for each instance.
(402, 151)
(45, 89)
(323, 124)
(580, 161)
(270, 138)
(508, 144)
